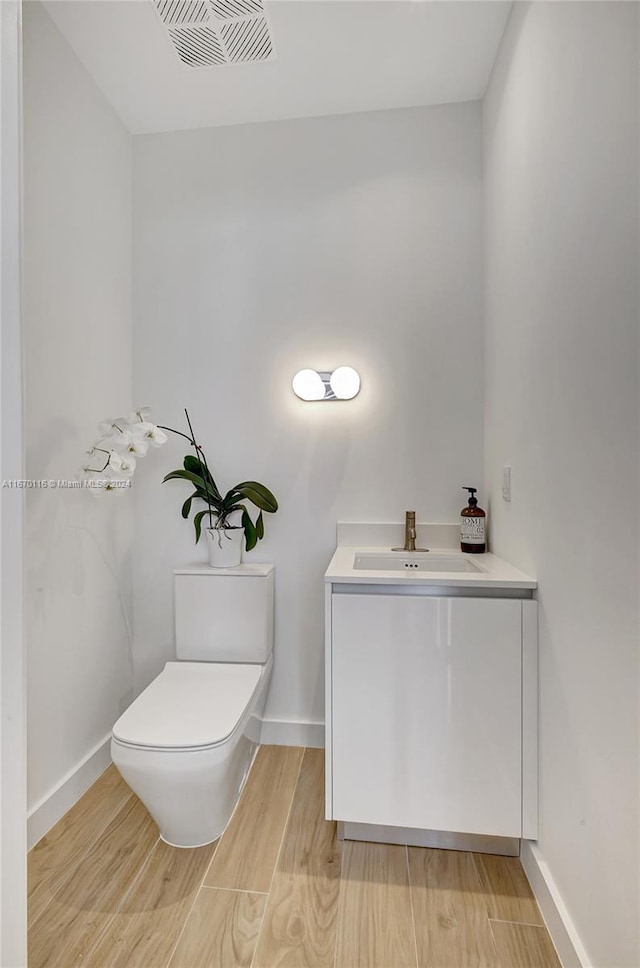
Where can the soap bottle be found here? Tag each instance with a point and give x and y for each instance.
(472, 531)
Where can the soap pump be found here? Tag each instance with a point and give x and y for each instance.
(472, 531)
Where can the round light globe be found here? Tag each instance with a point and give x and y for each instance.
(345, 382)
(307, 385)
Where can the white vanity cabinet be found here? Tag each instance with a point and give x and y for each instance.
(431, 710)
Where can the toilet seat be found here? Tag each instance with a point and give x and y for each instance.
(190, 706)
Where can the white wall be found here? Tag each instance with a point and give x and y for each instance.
(13, 767)
(561, 128)
(262, 249)
(77, 327)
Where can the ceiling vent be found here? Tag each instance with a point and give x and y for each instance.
(210, 33)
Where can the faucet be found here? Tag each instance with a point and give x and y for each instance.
(410, 533)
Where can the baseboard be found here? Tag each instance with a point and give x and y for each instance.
(571, 951)
(418, 837)
(290, 732)
(44, 814)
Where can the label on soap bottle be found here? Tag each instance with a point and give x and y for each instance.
(472, 530)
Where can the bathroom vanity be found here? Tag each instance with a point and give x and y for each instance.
(431, 693)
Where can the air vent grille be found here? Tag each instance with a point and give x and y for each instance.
(228, 9)
(211, 33)
(174, 12)
(247, 40)
(197, 46)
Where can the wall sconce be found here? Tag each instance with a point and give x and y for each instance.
(342, 384)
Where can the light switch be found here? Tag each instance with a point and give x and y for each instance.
(506, 483)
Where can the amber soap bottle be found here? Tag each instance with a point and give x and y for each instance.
(473, 540)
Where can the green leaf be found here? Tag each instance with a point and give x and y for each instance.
(223, 516)
(196, 466)
(182, 475)
(230, 501)
(197, 522)
(234, 507)
(260, 527)
(195, 479)
(251, 537)
(215, 504)
(193, 464)
(258, 494)
(186, 507)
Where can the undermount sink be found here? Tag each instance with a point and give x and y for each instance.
(416, 561)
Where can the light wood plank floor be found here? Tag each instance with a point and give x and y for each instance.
(278, 890)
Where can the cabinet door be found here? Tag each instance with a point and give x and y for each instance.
(426, 712)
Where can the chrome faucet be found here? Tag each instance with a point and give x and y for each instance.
(410, 533)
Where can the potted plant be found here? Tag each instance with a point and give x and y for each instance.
(224, 538)
(124, 439)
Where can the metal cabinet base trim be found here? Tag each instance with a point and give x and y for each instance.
(443, 839)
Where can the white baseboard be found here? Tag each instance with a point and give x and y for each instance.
(47, 811)
(563, 933)
(290, 732)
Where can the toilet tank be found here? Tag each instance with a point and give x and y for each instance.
(224, 614)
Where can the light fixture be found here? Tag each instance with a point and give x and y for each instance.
(308, 385)
(345, 382)
(341, 384)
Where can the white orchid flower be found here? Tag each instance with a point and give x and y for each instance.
(122, 464)
(111, 461)
(149, 432)
(137, 447)
(109, 482)
(141, 415)
(123, 443)
(116, 441)
(112, 425)
(107, 485)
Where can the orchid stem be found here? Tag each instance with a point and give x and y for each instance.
(179, 433)
(199, 450)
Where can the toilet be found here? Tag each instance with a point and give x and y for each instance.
(186, 744)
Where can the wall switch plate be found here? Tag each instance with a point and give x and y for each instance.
(506, 483)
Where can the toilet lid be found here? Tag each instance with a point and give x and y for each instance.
(190, 704)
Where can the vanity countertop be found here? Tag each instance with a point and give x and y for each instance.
(493, 573)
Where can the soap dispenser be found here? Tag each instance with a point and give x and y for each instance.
(472, 531)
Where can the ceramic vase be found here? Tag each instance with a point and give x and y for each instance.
(224, 546)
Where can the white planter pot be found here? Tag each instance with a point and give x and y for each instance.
(224, 546)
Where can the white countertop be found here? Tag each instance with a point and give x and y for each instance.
(495, 572)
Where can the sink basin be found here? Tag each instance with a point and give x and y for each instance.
(396, 561)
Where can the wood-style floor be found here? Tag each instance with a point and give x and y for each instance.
(278, 890)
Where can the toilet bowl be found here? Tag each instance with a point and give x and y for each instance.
(186, 763)
(186, 744)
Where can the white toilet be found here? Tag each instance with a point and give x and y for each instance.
(186, 744)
